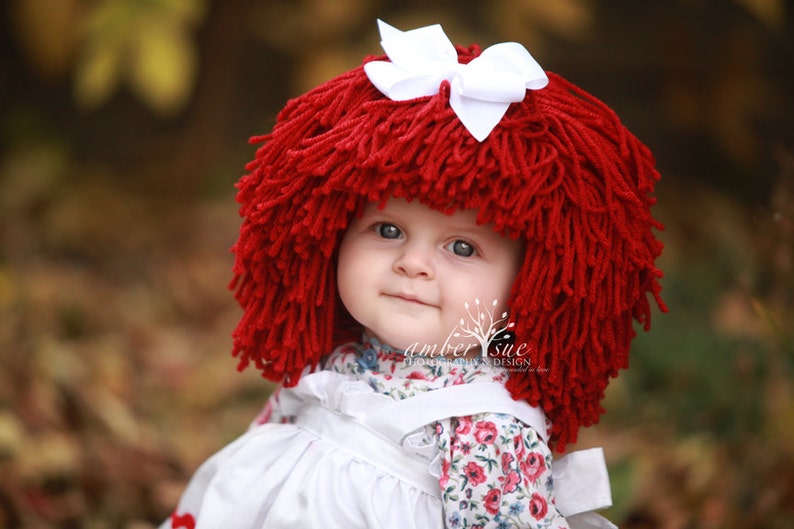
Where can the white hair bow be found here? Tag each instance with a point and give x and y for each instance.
(480, 91)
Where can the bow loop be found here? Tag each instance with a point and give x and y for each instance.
(481, 91)
(419, 50)
(392, 81)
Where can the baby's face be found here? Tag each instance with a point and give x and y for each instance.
(407, 274)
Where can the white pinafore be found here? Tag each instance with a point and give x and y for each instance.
(359, 459)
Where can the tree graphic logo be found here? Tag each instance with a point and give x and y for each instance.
(483, 326)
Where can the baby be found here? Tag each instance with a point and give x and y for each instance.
(441, 260)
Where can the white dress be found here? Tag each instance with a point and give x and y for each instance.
(355, 458)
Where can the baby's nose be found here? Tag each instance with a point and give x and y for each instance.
(416, 260)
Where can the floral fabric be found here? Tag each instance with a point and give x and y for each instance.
(493, 470)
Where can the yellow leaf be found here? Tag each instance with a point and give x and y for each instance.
(97, 74)
(49, 454)
(162, 66)
(12, 434)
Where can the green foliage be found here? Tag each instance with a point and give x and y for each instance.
(693, 379)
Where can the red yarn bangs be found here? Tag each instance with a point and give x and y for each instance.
(559, 171)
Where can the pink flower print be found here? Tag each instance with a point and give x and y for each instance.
(492, 501)
(444, 479)
(474, 473)
(518, 446)
(538, 506)
(464, 426)
(265, 414)
(416, 375)
(533, 466)
(507, 458)
(182, 521)
(485, 432)
(511, 481)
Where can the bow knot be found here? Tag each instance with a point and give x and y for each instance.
(480, 91)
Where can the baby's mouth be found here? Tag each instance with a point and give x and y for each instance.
(410, 298)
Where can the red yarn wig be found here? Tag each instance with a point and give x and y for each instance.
(559, 171)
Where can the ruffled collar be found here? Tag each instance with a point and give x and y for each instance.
(370, 356)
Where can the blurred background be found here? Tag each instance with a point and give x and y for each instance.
(124, 125)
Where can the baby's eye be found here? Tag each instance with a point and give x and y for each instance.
(461, 248)
(388, 231)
